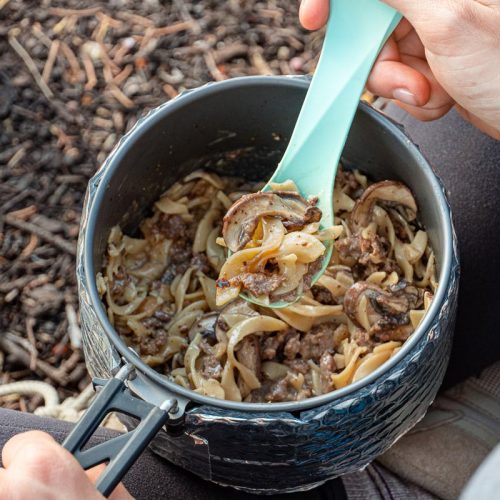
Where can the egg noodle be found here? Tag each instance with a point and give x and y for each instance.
(171, 291)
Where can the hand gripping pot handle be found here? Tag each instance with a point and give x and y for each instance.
(122, 451)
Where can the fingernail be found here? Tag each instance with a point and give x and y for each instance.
(404, 95)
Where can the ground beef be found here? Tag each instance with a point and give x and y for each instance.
(180, 259)
(346, 179)
(361, 337)
(327, 367)
(258, 283)
(158, 320)
(292, 346)
(271, 345)
(356, 249)
(118, 286)
(341, 333)
(211, 367)
(152, 345)
(316, 342)
(200, 262)
(321, 294)
(298, 365)
(280, 391)
(312, 270)
(173, 227)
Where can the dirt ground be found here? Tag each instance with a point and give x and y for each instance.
(74, 77)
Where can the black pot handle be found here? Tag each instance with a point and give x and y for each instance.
(122, 451)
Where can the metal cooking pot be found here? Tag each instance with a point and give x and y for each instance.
(241, 127)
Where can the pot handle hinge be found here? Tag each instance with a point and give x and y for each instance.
(122, 451)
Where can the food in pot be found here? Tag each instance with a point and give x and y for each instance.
(159, 288)
(277, 245)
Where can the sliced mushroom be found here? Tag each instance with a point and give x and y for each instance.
(231, 314)
(388, 191)
(378, 311)
(205, 326)
(242, 218)
(249, 355)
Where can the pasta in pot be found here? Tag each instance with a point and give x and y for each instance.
(161, 295)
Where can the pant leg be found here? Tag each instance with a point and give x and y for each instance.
(152, 477)
(469, 164)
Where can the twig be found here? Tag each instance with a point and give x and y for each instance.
(15, 284)
(43, 234)
(23, 54)
(144, 21)
(16, 157)
(181, 7)
(58, 376)
(60, 12)
(37, 31)
(28, 249)
(175, 28)
(106, 60)
(51, 59)
(120, 96)
(259, 62)
(170, 91)
(3, 3)
(75, 334)
(24, 213)
(76, 71)
(123, 75)
(212, 67)
(88, 65)
(30, 323)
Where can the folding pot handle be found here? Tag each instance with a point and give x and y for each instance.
(122, 451)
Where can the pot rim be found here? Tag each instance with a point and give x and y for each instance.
(112, 163)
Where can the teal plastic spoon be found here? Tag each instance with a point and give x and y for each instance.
(356, 32)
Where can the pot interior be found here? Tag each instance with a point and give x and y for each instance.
(241, 127)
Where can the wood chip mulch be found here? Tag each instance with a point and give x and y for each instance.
(74, 77)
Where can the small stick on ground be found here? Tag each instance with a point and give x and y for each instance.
(75, 334)
(216, 73)
(51, 59)
(76, 71)
(43, 234)
(23, 54)
(30, 323)
(58, 376)
(60, 12)
(88, 65)
(120, 96)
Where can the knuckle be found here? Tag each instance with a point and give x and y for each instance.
(42, 461)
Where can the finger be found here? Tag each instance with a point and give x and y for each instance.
(425, 114)
(393, 79)
(439, 98)
(313, 14)
(396, 80)
(412, 45)
(119, 493)
(13, 449)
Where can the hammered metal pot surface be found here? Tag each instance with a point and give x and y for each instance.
(271, 452)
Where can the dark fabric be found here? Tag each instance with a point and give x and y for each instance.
(152, 477)
(468, 162)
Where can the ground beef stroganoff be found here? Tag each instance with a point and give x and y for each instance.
(160, 293)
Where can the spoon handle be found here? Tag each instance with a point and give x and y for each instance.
(356, 31)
